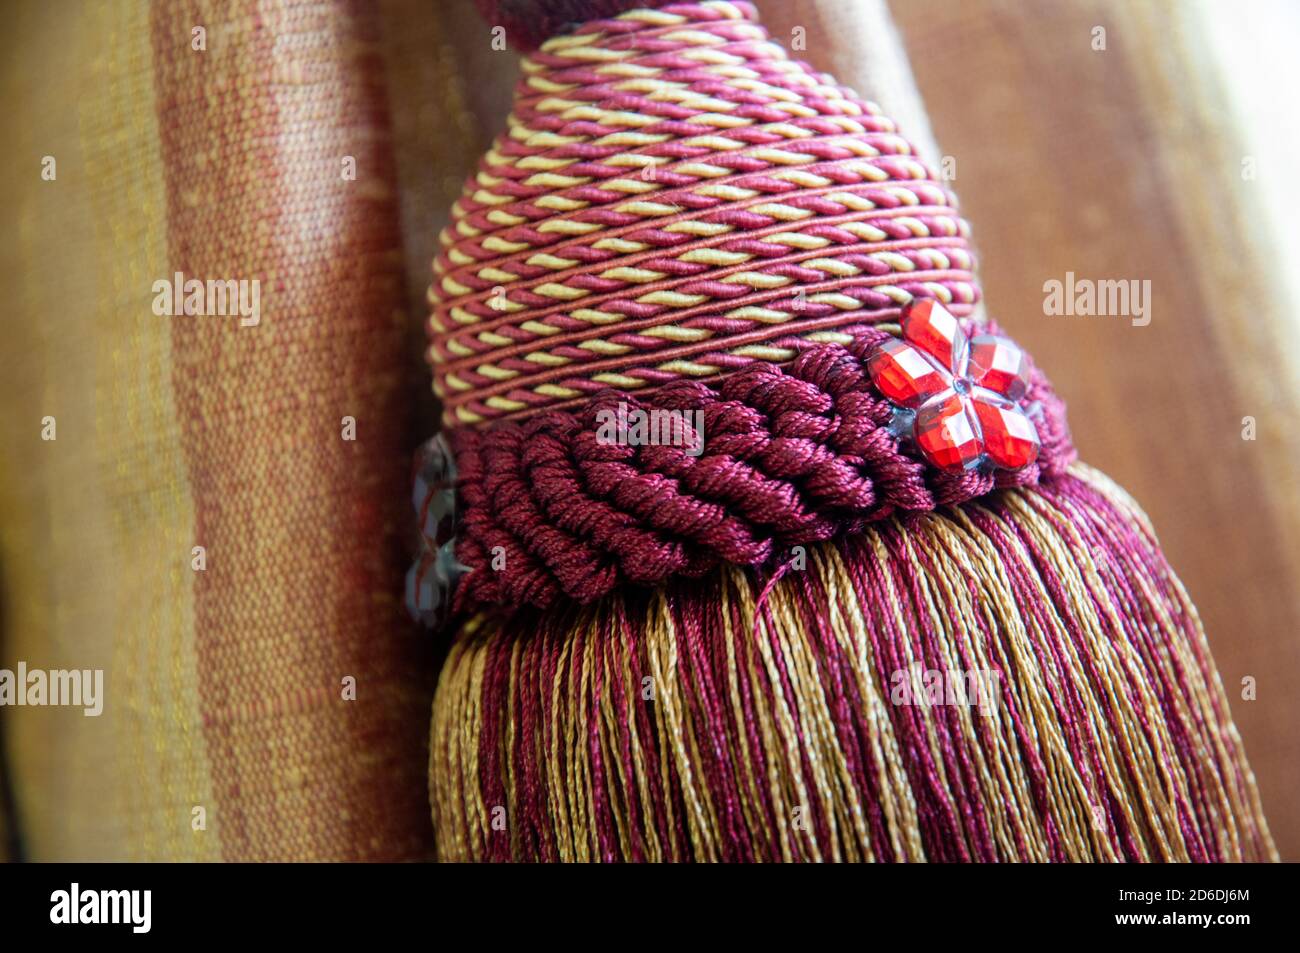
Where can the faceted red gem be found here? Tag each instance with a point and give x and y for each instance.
(928, 324)
(999, 365)
(946, 433)
(1010, 438)
(904, 375)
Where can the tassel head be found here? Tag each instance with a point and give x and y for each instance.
(877, 611)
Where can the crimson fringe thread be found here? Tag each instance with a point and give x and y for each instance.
(707, 723)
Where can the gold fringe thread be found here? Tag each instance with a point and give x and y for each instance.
(1020, 678)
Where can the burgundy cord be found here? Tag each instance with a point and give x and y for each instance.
(790, 455)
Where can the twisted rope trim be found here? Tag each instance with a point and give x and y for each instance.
(676, 198)
(790, 456)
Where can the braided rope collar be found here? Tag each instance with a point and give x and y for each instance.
(551, 507)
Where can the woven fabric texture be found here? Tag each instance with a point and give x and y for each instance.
(226, 687)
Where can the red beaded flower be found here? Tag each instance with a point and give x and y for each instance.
(959, 398)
